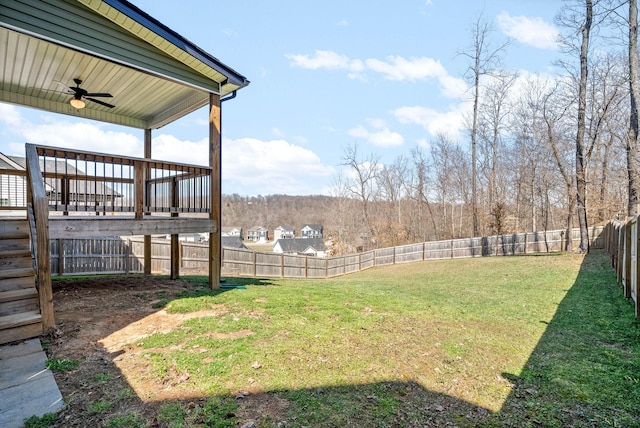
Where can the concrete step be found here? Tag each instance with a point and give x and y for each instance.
(27, 387)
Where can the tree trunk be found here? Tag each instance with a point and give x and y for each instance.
(581, 182)
(474, 156)
(632, 139)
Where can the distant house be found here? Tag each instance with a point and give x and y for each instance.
(284, 232)
(13, 188)
(233, 242)
(188, 237)
(309, 246)
(231, 231)
(258, 233)
(311, 231)
(78, 192)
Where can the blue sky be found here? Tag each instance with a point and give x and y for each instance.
(386, 75)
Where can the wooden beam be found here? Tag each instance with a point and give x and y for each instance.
(92, 227)
(215, 162)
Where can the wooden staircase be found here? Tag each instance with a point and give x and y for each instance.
(19, 302)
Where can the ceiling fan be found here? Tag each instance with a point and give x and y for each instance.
(79, 94)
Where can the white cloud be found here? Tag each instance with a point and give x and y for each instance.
(252, 166)
(380, 136)
(249, 166)
(435, 122)
(277, 133)
(342, 23)
(83, 136)
(395, 68)
(10, 116)
(535, 32)
(326, 59)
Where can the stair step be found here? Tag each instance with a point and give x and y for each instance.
(14, 253)
(14, 226)
(22, 332)
(16, 301)
(8, 284)
(19, 320)
(21, 294)
(16, 273)
(7, 264)
(14, 234)
(12, 244)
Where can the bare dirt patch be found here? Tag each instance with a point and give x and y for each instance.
(97, 318)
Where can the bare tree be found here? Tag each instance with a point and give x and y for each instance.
(362, 185)
(555, 108)
(494, 111)
(578, 19)
(484, 57)
(420, 192)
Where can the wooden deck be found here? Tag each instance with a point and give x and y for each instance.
(27, 387)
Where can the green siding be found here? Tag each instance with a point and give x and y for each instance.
(53, 19)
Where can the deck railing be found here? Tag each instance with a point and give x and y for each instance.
(77, 181)
(38, 215)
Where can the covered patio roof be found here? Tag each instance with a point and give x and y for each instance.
(154, 75)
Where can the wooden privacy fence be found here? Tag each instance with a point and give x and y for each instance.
(621, 242)
(118, 255)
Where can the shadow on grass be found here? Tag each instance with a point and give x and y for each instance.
(584, 372)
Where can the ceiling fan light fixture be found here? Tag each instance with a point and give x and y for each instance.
(77, 103)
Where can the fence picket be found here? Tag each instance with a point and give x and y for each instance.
(118, 255)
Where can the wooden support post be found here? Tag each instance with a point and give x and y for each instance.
(141, 198)
(175, 242)
(215, 162)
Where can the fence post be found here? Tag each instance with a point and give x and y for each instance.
(394, 255)
(636, 282)
(282, 265)
(424, 250)
(326, 268)
(60, 257)
(127, 256)
(306, 266)
(452, 248)
(627, 260)
(255, 264)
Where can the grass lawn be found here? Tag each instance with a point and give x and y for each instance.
(501, 341)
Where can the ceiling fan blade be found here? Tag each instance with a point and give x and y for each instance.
(99, 94)
(100, 102)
